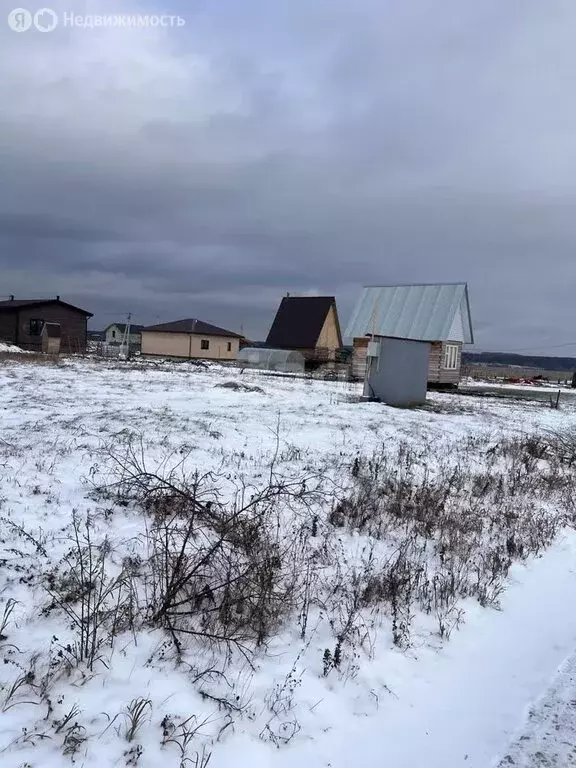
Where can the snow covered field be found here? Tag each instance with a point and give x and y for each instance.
(398, 643)
(549, 736)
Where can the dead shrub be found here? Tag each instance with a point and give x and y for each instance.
(94, 601)
(454, 527)
(225, 573)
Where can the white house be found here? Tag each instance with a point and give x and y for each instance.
(114, 334)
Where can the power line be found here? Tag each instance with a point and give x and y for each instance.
(550, 346)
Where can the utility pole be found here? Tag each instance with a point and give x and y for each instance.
(125, 346)
(370, 349)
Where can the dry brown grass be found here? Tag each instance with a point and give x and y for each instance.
(34, 358)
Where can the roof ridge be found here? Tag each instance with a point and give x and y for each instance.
(191, 325)
(423, 311)
(409, 285)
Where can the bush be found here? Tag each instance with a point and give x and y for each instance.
(225, 573)
(453, 529)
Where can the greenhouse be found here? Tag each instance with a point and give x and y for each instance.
(285, 360)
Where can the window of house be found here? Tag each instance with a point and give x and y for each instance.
(113, 334)
(36, 327)
(451, 357)
(204, 344)
(229, 346)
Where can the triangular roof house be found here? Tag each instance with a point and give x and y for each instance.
(422, 312)
(306, 322)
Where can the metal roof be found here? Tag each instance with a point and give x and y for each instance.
(426, 312)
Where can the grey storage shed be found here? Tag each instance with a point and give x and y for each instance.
(397, 371)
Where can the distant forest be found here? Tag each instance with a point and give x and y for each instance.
(525, 361)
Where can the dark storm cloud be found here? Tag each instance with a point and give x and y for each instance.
(30, 226)
(309, 147)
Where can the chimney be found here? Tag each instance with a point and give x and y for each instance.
(287, 294)
(11, 297)
(57, 298)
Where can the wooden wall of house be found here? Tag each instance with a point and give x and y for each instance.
(359, 357)
(328, 338)
(8, 327)
(318, 357)
(74, 327)
(313, 353)
(437, 374)
(435, 362)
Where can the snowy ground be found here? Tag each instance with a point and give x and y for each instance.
(525, 387)
(11, 349)
(549, 735)
(449, 703)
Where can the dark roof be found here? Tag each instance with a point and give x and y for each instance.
(19, 303)
(300, 320)
(190, 325)
(122, 327)
(52, 330)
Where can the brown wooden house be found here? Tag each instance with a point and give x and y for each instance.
(438, 313)
(22, 322)
(308, 324)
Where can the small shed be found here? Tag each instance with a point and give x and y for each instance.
(51, 338)
(284, 360)
(397, 371)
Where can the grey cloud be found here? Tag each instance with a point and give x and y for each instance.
(310, 146)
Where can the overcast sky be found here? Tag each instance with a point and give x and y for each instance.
(295, 145)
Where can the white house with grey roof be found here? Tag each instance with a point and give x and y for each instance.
(114, 334)
(438, 313)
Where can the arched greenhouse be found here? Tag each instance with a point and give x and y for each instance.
(284, 360)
